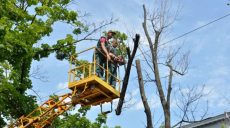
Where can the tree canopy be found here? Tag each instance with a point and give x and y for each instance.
(79, 120)
(22, 24)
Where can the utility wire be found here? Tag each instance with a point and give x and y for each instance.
(144, 52)
(213, 21)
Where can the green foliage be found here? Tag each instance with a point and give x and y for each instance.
(162, 125)
(79, 120)
(117, 127)
(13, 102)
(54, 97)
(101, 119)
(223, 125)
(121, 37)
(22, 24)
(2, 123)
(64, 48)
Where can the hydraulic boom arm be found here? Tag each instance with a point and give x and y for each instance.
(44, 114)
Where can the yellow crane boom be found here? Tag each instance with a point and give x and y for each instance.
(87, 90)
(44, 115)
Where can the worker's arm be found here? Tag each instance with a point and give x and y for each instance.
(111, 55)
(103, 41)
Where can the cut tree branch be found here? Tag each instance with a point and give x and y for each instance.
(143, 96)
(127, 74)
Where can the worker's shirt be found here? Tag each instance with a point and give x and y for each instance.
(114, 51)
(99, 44)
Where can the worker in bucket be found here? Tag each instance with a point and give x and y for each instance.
(102, 53)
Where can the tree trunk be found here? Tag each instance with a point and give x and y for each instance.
(127, 73)
(143, 96)
(167, 117)
(154, 54)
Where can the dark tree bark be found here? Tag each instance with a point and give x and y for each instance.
(127, 73)
(154, 24)
(143, 96)
(165, 101)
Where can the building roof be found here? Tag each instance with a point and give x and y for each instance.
(208, 120)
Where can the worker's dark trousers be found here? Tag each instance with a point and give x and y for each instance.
(113, 77)
(100, 62)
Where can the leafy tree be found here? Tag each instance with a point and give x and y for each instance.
(162, 126)
(22, 24)
(79, 120)
(13, 102)
(117, 127)
(222, 125)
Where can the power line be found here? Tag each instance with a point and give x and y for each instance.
(213, 21)
(165, 42)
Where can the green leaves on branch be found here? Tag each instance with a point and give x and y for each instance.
(14, 102)
(121, 36)
(22, 24)
(79, 120)
(63, 49)
(77, 31)
(32, 2)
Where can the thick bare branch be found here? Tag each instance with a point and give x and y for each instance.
(127, 74)
(154, 51)
(159, 20)
(154, 56)
(143, 96)
(144, 24)
(169, 83)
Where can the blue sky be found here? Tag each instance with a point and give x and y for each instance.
(209, 54)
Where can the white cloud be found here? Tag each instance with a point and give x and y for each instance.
(154, 103)
(62, 85)
(221, 71)
(173, 103)
(222, 103)
(200, 23)
(217, 92)
(139, 105)
(220, 66)
(135, 92)
(198, 47)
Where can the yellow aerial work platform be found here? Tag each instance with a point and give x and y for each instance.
(93, 91)
(87, 89)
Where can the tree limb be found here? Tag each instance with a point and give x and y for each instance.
(143, 96)
(127, 74)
